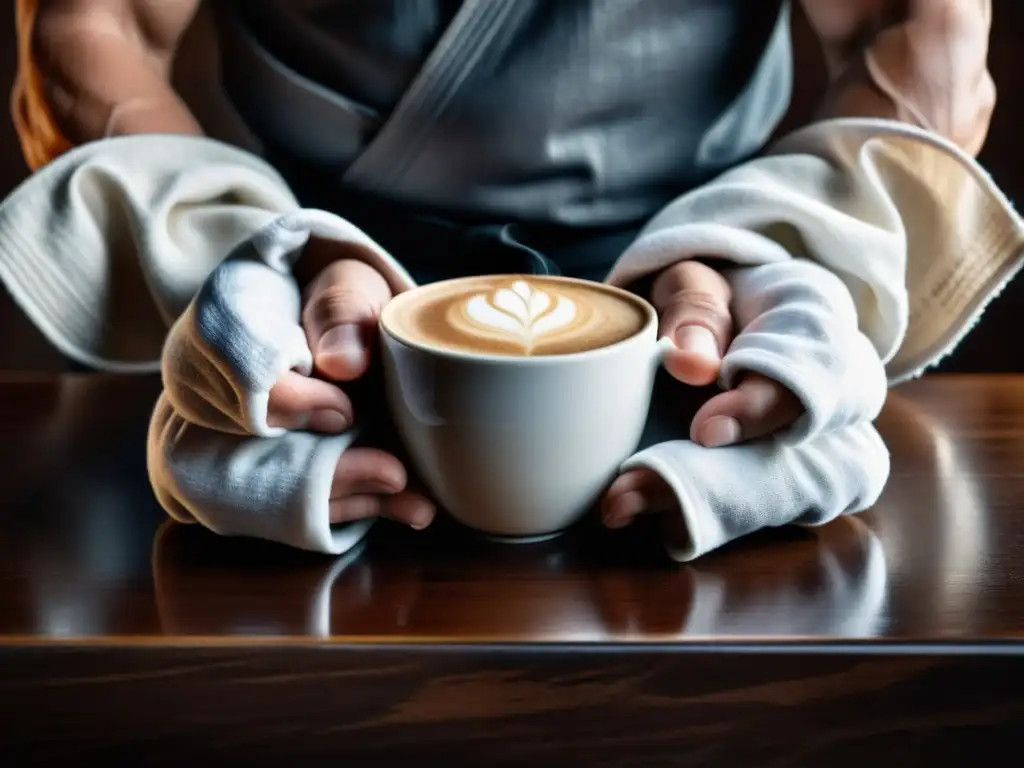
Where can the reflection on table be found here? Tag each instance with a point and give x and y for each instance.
(834, 583)
(87, 552)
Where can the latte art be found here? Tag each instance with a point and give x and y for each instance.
(522, 311)
(516, 315)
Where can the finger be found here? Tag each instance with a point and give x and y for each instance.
(300, 403)
(351, 508)
(692, 300)
(367, 471)
(634, 493)
(757, 407)
(340, 316)
(407, 508)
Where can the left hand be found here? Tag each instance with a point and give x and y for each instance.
(693, 301)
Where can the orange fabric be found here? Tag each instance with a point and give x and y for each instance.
(41, 139)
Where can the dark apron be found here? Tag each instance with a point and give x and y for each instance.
(582, 113)
(543, 134)
(435, 245)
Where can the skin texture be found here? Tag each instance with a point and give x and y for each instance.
(94, 68)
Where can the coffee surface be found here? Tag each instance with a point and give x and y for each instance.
(516, 316)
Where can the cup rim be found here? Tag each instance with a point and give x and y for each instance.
(481, 357)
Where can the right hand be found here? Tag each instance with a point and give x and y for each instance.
(340, 311)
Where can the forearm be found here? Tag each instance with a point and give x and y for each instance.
(91, 70)
(924, 63)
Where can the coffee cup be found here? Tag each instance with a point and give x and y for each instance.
(518, 397)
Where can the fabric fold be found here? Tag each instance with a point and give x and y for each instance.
(243, 330)
(727, 493)
(272, 488)
(106, 246)
(914, 227)
(800, 329)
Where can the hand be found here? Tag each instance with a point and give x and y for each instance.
(693, 300)
(341, 307)
(798, 322)
(640, 491)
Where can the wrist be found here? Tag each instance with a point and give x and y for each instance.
(151, 115)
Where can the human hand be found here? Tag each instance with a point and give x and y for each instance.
(341, 305)
(693, 302)
(800, 360)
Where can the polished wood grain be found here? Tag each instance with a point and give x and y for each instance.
(893, 636)
(87, 553)
(474, 707)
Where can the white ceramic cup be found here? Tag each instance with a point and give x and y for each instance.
(519, 448)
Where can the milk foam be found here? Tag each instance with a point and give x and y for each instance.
(522, 310)
(515, 315)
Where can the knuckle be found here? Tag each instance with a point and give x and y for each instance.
(690, 275)
(338, 303)
(691, 270)
(699, 301)
(699, 307)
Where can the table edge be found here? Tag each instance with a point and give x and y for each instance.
(866, 647)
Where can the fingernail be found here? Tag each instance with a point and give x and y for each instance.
(720, 431)
(421, 518)
(342, 341)
(328, 421)
(698, 340)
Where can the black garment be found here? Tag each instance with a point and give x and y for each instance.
(432, 246)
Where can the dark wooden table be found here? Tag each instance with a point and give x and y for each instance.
(894, 636)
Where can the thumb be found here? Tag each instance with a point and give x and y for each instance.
(692, 300)
(342, 305)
